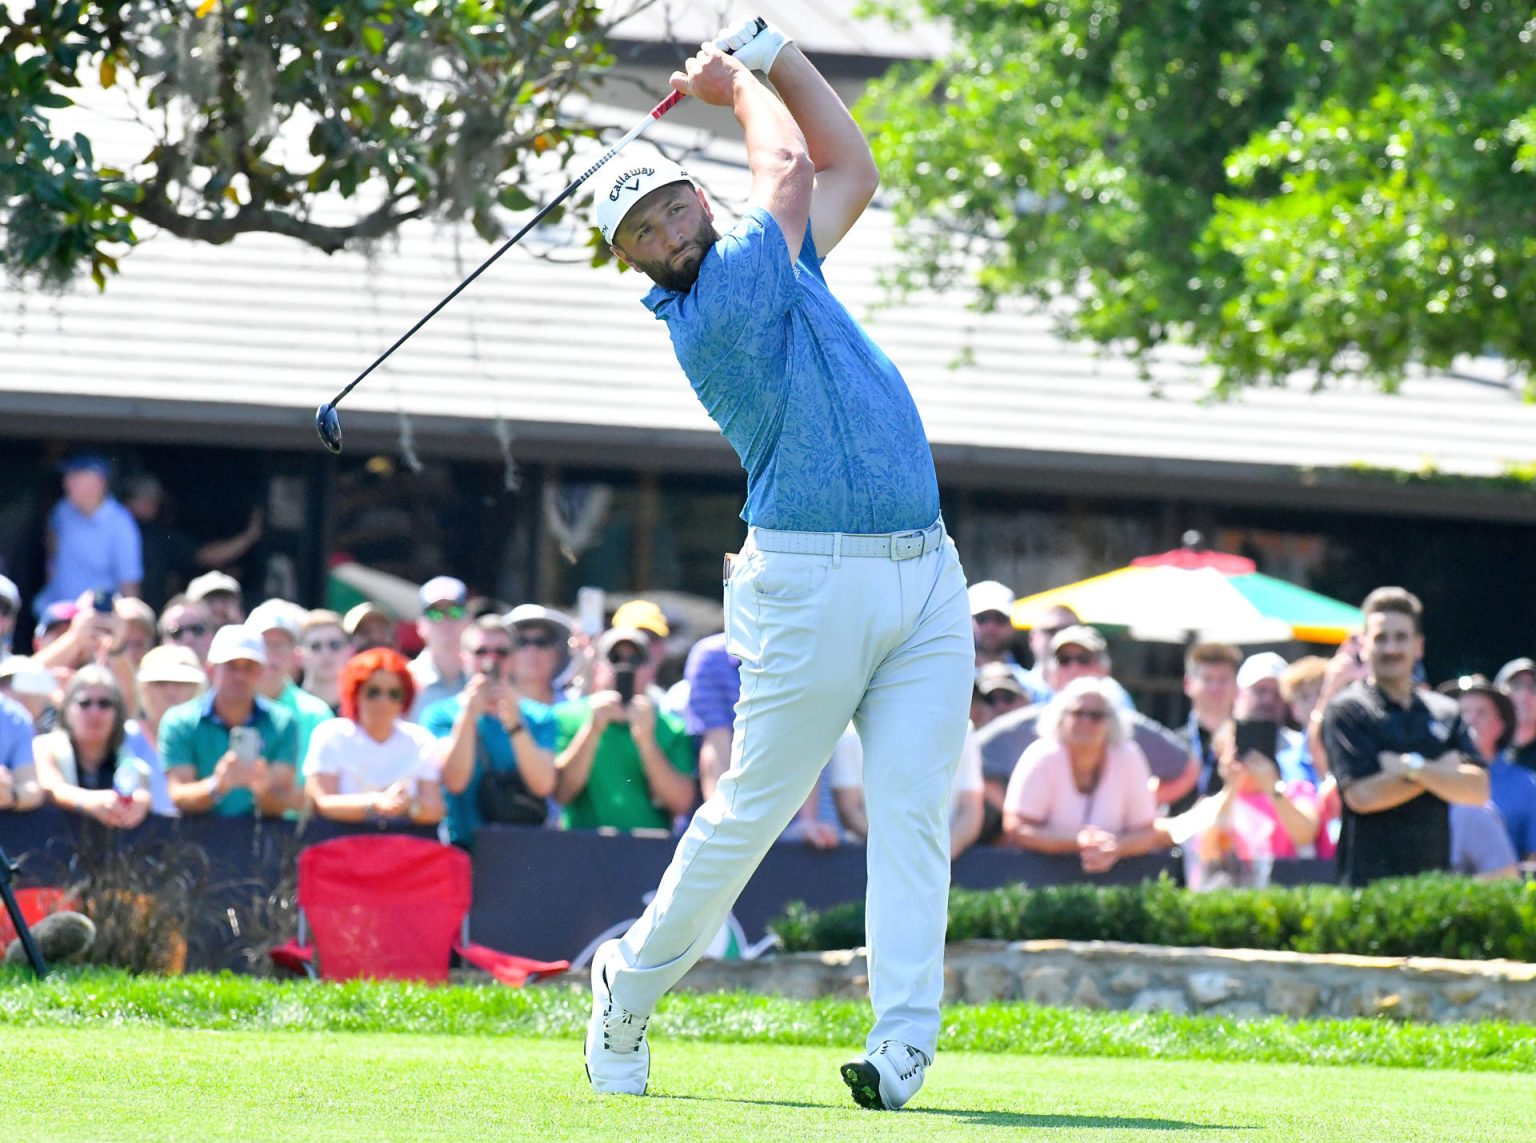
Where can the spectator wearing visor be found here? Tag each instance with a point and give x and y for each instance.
(621, 762)
(437, 671)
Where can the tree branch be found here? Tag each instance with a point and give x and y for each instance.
(159, 211)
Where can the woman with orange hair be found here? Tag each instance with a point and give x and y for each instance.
(370, 764)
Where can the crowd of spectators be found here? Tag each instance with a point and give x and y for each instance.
(518, 716)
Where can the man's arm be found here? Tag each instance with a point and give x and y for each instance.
(1379, 792)
(846, 175)
(782, 173)
(714, 758)
(1452, 778)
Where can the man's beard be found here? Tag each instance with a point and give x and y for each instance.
(681, 276)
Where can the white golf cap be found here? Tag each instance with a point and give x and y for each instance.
(626, 179)
(9, 593)
(276, 615)
(27, 677)
(989, 595)
(236, 641)
(211, 582)
(171, 664)
(536, 613)
(1257, 668)
(442, 589)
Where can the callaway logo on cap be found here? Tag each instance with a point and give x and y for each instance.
(617, 193)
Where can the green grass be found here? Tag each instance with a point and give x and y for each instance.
(134, 1082)
(95, 999)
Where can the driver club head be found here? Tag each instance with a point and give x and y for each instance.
(328, 425)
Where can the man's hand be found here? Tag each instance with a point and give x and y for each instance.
(7, 788)
(1264, 772)
(477, 695)
(753, 41)
(642, 720)
(820, 835)
(607, 708)
(710, 77)
(393, 802)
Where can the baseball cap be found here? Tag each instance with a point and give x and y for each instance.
(1079, 635)
(131, 609)
(276, 615)
(1257, 668)
(237, 641)
(354, 618)
(1512, 668)
(210, 582)
(644, 614)
(997, 677)
(26, 677)
(627, 179)
(442, 589)
(87, 462)
(535, 613)
(612, 637)
(171, 664)
(10, 594)
(989, 595)
(61, 611)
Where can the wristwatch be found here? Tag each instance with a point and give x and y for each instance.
(1413, 761)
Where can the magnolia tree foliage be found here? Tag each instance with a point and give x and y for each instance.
(330, 121)
(1327, 186)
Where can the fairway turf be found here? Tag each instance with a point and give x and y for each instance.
(146, 1083)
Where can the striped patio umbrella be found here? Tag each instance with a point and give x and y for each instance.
(1188, 594)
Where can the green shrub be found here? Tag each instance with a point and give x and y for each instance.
(1433, 915)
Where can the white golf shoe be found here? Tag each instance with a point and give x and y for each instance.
(618, 1058)
(887, 1077)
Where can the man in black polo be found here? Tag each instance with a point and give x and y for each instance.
(1401, 755)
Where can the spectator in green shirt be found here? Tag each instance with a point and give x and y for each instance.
(619, 761)
(206, 773)
(278, 623)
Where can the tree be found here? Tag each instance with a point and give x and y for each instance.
(329, 122)
(1328, 186)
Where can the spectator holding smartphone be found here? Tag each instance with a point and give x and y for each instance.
(620, 761)
(232, 751)
(83, 766)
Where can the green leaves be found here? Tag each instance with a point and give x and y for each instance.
(408, 108)
(1313, 186)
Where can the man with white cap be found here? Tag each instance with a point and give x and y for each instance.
(279, 622)
(1518, 679)
(221, 595)
(847, 600)
(1261, 698)
(541, 639)
(444, 615)
(232, 751)
(992, 628)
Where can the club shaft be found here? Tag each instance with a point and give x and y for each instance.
(634, 133)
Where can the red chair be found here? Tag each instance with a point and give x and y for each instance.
(35, 905)
(392, 907)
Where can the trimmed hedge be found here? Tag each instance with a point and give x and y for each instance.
(1433, 915)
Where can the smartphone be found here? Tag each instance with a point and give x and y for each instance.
(1258, 734)
(101, 602)
(589, 610)
(624, 682)
(245, 741)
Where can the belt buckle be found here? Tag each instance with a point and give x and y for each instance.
(907, 545)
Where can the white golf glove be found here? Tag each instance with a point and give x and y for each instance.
(753, 41)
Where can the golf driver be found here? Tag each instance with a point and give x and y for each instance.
(328, 421)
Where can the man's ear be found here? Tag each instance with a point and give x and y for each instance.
(709, 211)
(619, 254)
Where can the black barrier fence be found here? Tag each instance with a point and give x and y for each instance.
(539, 893)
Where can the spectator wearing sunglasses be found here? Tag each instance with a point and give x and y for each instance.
(322, 651)
(370, 764)
(444, 616)
(621, 762)
(496, 744)
(187, 623)
(541, 650)
(992, 629)
(84, 766)
(1083, 787)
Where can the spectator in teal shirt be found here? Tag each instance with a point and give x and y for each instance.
(206, 773)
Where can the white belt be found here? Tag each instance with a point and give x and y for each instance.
(890, 546)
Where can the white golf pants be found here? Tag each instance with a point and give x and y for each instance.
(825, 638)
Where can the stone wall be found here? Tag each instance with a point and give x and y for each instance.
(1144, 978)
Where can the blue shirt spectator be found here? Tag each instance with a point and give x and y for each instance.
(93, 541)
(714, 685)
(493, 750)
(16, 732)
(1512, 789)
(775, 359)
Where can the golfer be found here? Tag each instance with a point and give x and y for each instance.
(847, 600)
